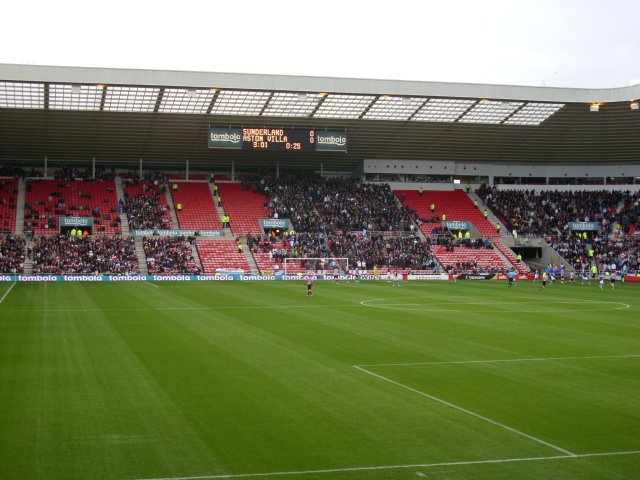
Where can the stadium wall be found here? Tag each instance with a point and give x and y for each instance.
(420, 167)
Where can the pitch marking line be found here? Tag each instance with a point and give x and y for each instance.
(397, 467)
(506, 360)
(152, 284)
(464, 410)
(7, 292)
(434, 307)
(116, 309)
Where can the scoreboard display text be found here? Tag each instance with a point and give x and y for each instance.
(277, 139)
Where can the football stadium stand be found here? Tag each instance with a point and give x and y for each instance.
(218, 256)
(169, 256)
(8, 200)
(146, 206)
(12, 254)
(508, 253)
(244, 206)
(466, 258)
(61, 254)
(455, 204)
(198, 211)
(48, 200)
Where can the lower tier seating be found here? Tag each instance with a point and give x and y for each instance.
(506, 251)
(219, 255)
(480, 258)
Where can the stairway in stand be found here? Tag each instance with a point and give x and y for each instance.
(510, 256)
(142, 259)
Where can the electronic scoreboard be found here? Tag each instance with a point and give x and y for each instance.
(277, 139)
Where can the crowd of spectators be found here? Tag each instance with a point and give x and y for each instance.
(8, 196)
(12, 254)
(11, 171)
(450, 242)
(341, 217)
(299, 245)
(315, 204)
(146, 210)
(348, 204)
(365, 251)
(62, 254)
(541, 213)
(86, 174)
(399, 251)
(170, 255)
(548, 213)
(619, 250)
(292, 197)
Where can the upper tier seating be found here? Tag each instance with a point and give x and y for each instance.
(48, 200)
(220, 254)
(244, 207)
(486, 259)
(455, 204)
(198, 210)
(347, 204)
(192, 176)
(8, 197)
(146, 206)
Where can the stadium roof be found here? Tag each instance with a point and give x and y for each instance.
(72, 114)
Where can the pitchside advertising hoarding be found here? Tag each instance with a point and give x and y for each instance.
(178, 233)
(223, 277)
(277, 139)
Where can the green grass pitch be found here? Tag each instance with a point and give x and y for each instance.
(434, 380)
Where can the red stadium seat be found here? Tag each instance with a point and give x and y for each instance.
(51, 199)
(198, 210)
(220, 254)
(8, 197)
(455, 204)
(244, 208)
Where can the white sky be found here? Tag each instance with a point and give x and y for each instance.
(560, 43)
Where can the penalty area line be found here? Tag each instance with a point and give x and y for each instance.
(398, 467)
(468, 412)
